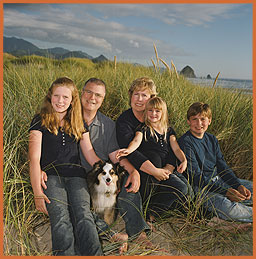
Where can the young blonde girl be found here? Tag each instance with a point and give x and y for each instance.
(55, 134)
(155, 137)
(158, 143)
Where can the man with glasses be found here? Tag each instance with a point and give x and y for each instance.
(103, 138)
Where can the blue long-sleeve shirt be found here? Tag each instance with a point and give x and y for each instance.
(205, 162)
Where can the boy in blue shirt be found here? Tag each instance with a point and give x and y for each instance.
(223, 194)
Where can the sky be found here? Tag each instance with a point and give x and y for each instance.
(210, 38)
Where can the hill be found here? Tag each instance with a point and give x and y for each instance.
(14, 45)
(19, 47)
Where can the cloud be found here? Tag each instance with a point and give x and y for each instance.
(89, 41)
(53, 27)
(188, 14)
(102, 27)
(134, 43)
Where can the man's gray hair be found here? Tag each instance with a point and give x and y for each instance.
(95, 81)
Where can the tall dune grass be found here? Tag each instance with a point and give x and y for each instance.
(26, 81)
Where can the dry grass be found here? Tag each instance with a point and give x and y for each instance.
(175, 234)
(215, 81)
(26, 81)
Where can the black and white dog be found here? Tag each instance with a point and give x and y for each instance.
(105, 181)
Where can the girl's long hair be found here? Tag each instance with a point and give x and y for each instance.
(73, 120)
(157, 103)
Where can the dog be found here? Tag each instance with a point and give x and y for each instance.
(104, 182)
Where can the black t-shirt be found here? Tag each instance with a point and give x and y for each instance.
(126, 126)
(159, 145)
(59, 153)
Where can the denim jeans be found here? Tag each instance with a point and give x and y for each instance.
(162, 196)
(70, 217)
(225, 209)
(130, 209)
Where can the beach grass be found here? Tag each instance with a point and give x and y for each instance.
(26, 81)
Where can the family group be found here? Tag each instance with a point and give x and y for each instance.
(69, 135)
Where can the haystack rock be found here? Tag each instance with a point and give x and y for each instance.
(187, 71)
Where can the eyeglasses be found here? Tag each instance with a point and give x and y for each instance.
(97, 95)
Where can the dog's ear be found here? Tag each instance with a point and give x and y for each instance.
(121, 171)
(98, 165)
(92, 175)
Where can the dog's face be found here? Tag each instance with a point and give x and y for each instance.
(106, 172)
(108, 175)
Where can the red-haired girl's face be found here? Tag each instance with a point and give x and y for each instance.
(61, 99)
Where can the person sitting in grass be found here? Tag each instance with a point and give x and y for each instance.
(158, 143)
(54, 138)
(222, 193)
(154, 137)
(141, 90)
(102, 131)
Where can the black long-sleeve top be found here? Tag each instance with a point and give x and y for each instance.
(126, 126)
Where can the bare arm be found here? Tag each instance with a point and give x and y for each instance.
(179, 154)
(134, 144)
(134, 176)
(35, 142)
(169, 167)
(159, 173)
(176, 149)
(123, 162)
(87, 149)
(147, 167)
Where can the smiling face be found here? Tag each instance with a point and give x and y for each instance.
(61, 99)
(92, 97)
(199, 124)
(154, 115)
(139, 100)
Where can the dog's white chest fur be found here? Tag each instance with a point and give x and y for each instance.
(104, 193)
(104, 181)
(104, 196)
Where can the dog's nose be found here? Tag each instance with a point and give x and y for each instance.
(108, 180)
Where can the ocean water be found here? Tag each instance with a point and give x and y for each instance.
(243, 84)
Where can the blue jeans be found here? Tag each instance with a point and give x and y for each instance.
(70, 217)
(130, 209)
(164, 195)
(225, 209)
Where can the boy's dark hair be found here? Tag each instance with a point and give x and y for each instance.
(199, 108)
(95, 81)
